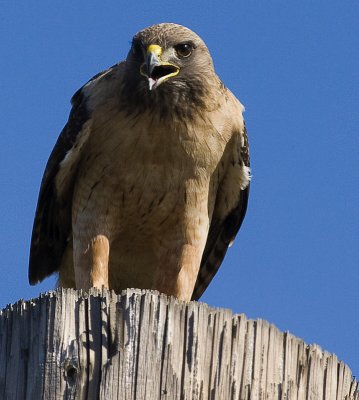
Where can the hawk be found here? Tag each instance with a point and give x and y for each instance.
(147, 185)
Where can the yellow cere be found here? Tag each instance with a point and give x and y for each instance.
(154, 49)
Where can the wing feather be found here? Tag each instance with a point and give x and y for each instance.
(52, 224)
(222, 231)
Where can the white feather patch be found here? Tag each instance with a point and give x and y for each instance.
(245, 177)
(69, 163)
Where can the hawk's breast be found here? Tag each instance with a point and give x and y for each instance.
(142, 173)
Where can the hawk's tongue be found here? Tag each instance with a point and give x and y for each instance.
(151, 82)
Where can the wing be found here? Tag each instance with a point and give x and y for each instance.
(226, 224)
(52, 224)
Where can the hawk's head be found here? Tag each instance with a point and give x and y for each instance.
(168, 63)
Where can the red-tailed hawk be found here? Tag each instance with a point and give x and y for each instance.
(148, 182)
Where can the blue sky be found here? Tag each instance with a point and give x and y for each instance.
(294, 65)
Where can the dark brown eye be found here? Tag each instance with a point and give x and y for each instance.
(184, 50)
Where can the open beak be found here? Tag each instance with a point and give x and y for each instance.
(155, 69)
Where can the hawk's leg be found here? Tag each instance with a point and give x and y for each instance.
(91, 263)
(182, 266)
(186, 280)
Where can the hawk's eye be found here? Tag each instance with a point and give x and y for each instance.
(184, 50)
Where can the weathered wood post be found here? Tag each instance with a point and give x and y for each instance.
(143, 345)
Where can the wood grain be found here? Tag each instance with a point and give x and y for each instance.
(144, 345)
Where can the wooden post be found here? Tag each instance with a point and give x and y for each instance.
(144, 345)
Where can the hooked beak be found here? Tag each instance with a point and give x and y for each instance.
(155, 69)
